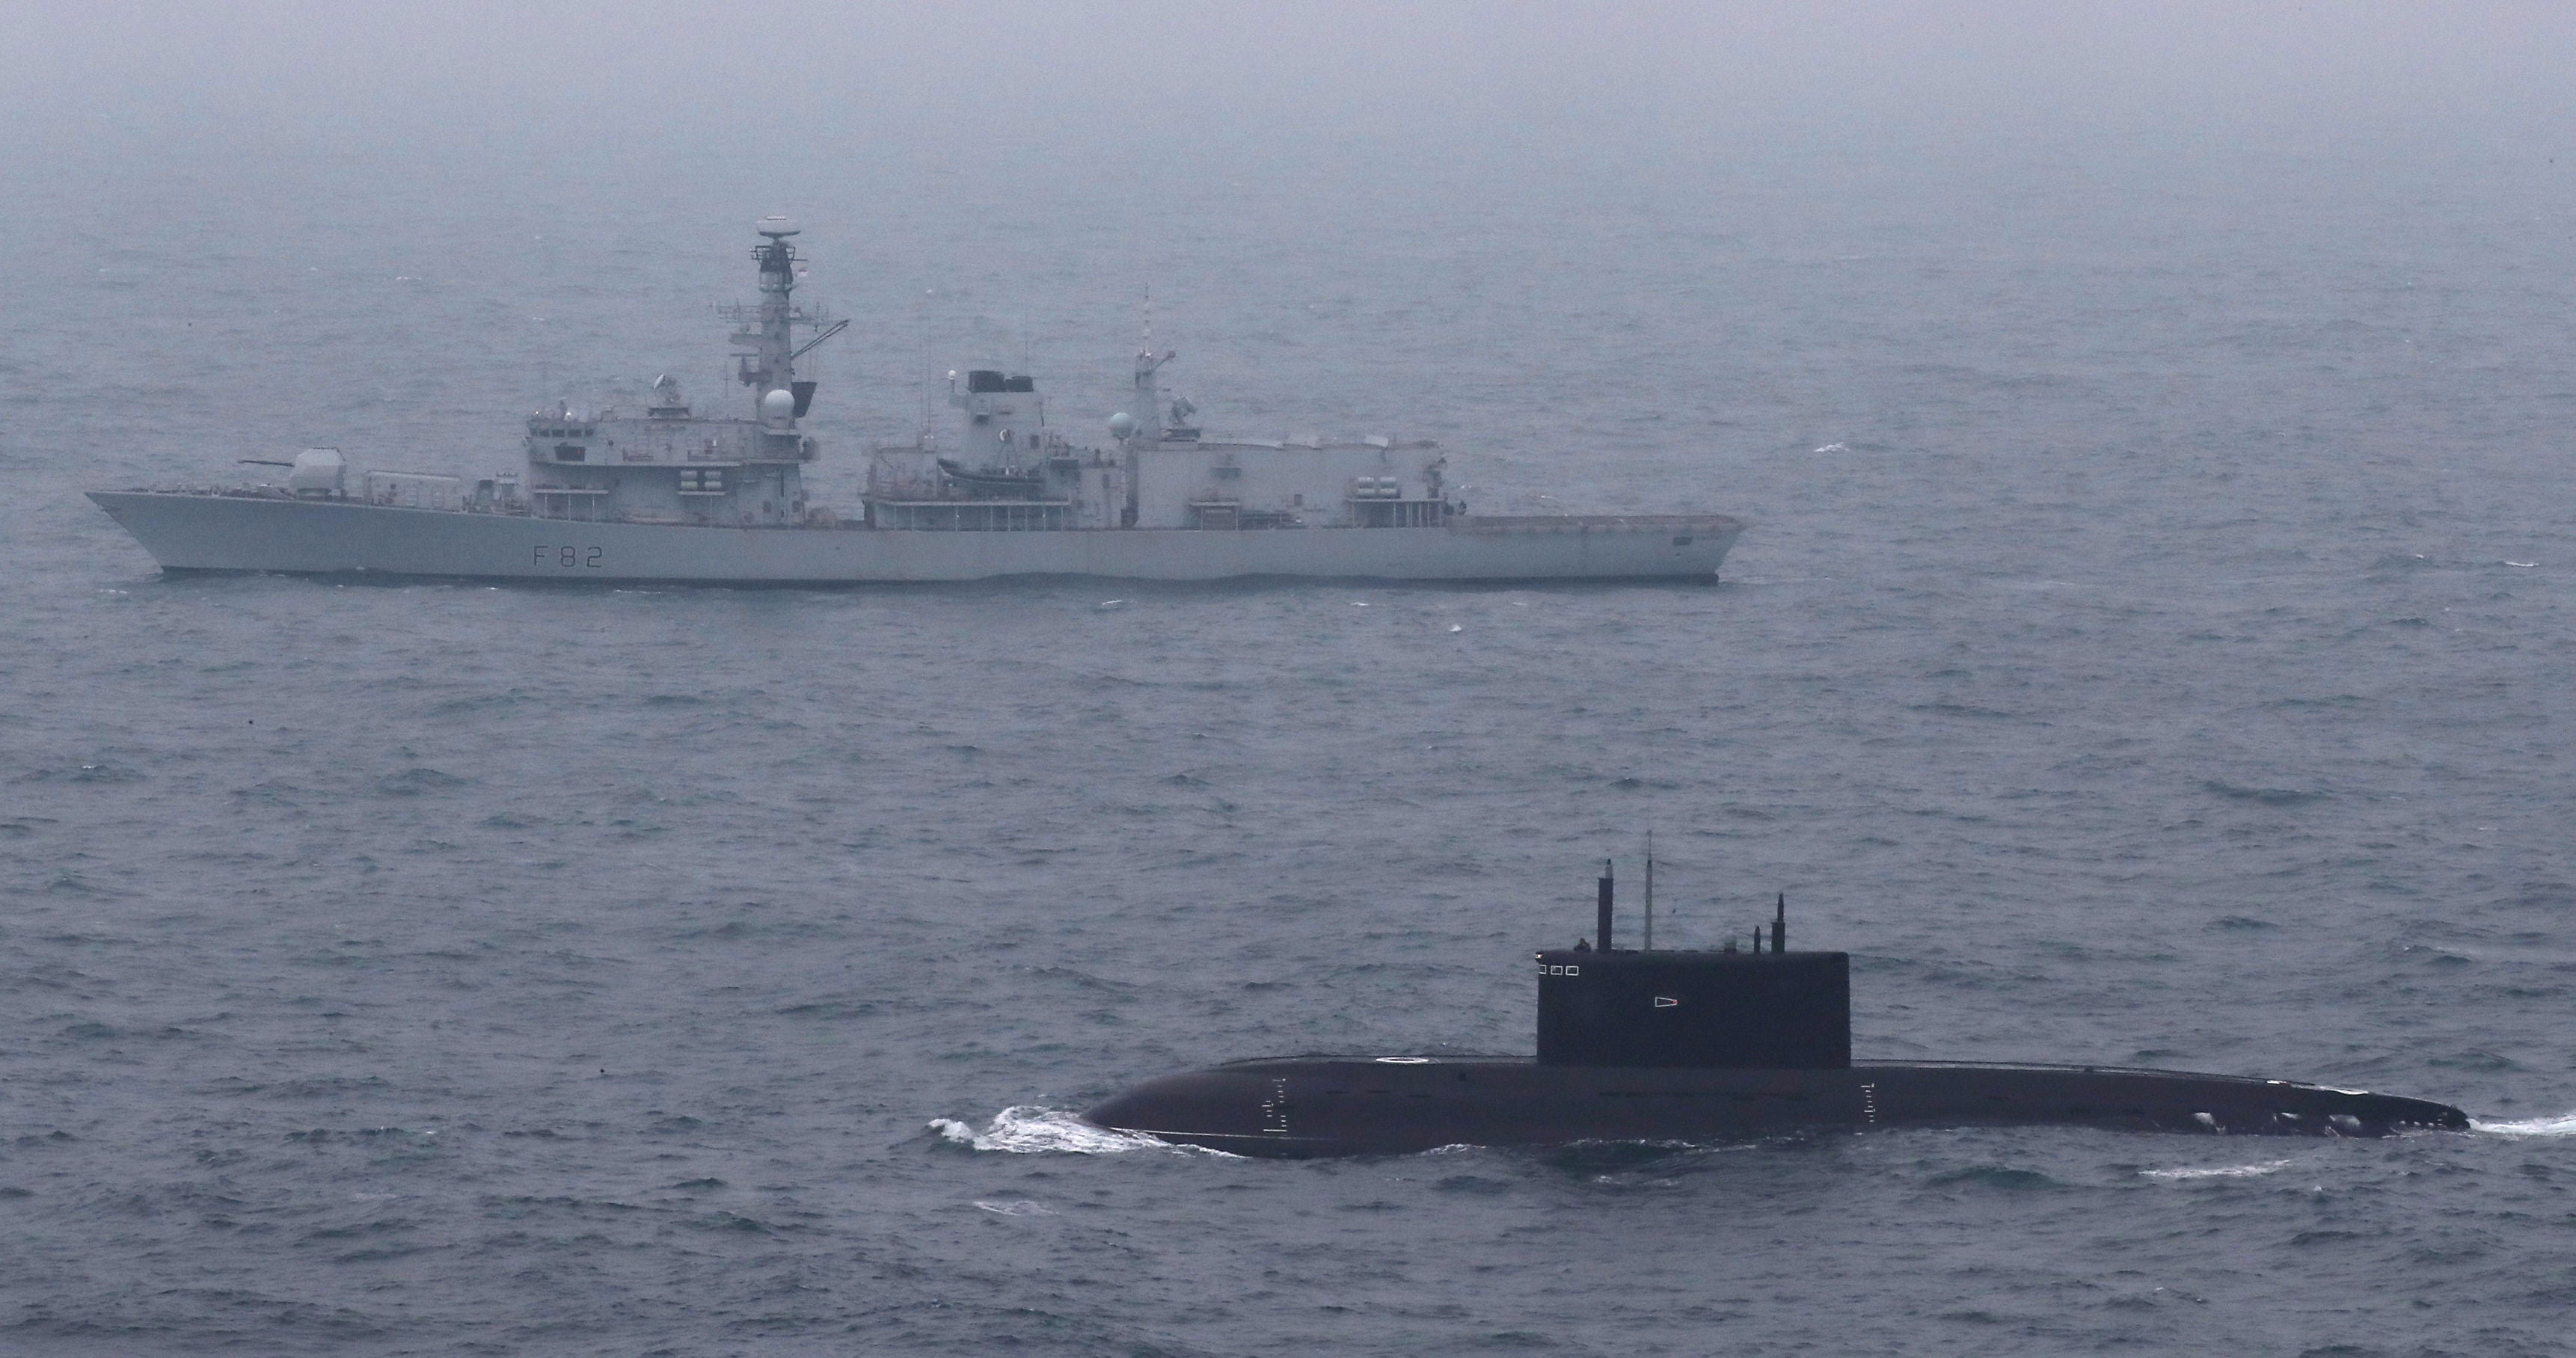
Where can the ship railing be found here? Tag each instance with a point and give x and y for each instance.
(1374, 512)
(414, 490)
(974, 516)
(581, 504)
(909, 488)
(749, 313)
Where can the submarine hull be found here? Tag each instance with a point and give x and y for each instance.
(1325, 1106)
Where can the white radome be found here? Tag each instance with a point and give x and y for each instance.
(779, 406)
(775, 226)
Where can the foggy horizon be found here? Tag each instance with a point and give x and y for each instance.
(307, 74)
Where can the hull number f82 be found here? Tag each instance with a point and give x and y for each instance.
(568, 558)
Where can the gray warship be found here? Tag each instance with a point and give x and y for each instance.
(674, 495)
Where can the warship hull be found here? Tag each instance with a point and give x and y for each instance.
(1324, 1106)
(253, 532)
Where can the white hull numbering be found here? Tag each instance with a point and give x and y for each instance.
(674, 496)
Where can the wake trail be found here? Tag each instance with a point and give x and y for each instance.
(2562, 1125)
(1025, 1129)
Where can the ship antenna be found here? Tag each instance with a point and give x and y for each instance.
(1650, 891)
(1780, 926)
(1605, 905)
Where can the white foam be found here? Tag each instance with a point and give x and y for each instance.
(1026, 1130)
(2562, 1125)
(2220, 1171)
(1023, 1208)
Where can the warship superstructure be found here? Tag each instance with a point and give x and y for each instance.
(673, 494)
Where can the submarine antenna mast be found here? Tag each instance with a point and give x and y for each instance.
(1780, 926)
(1650, 891)
(1604, 944)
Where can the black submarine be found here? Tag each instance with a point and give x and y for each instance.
(1676, 1045)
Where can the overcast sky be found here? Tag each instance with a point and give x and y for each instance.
(430, 74)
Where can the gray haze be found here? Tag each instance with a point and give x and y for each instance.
(1146, 93)
(2151, 647)
(1388, 72)
(926, 145)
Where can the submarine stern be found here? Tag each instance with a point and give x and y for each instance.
(2114, 1098)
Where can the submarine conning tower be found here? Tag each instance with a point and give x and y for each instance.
(1764, 1009)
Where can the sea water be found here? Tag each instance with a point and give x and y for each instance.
(2151, 646)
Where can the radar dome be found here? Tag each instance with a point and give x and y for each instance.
(779, 406)
(775, 226)
(1122, 425)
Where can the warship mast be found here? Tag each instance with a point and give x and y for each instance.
(766, 347)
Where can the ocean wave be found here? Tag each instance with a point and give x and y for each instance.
(1995, 1176)
(1027, 1130)
(2217, 1171)
(2562, 1125)
(2268, 796)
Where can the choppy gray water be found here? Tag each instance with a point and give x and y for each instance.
(2152, 647)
